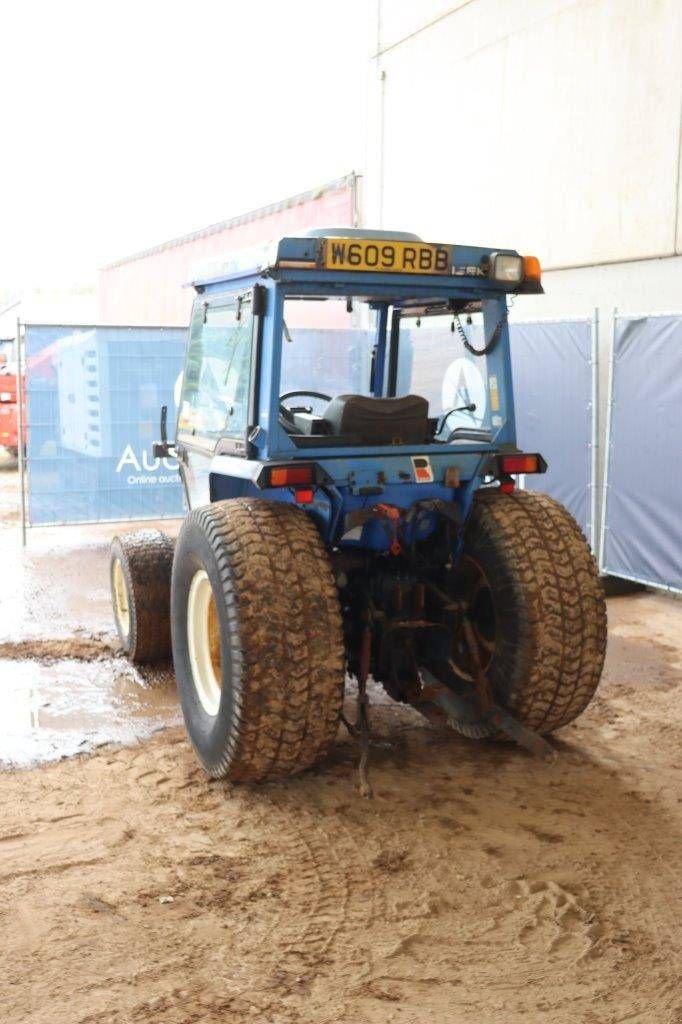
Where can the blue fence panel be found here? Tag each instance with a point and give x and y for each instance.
(93, 397)
(642, 535)
(553, 372)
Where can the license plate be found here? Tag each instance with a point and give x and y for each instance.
(376, 254)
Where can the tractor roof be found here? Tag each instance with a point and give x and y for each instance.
(344, 250)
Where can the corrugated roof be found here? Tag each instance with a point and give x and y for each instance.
(242, 218)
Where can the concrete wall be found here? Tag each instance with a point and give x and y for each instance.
(551, 126)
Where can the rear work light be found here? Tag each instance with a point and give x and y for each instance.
(522, 463)
(289, 476)
(505, 268)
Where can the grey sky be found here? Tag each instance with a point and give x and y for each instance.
(125, 123)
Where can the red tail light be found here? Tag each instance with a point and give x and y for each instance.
(304, 495)
(290, 476)
(522, 463)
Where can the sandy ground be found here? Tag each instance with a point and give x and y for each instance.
(478, 886)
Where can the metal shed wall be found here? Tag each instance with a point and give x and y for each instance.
(148, 288)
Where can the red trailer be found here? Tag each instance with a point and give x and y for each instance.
(9, 411)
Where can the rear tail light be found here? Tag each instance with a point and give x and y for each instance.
(522, 463)
(289, 476)
(304, 495)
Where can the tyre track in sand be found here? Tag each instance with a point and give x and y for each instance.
(478, 884)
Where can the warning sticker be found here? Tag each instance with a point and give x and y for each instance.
(494, 393)
(423, 473)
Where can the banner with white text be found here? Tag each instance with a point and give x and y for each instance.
(93, 400)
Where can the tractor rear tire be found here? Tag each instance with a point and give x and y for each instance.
(140, 577)
(541, 608)
(257, 639)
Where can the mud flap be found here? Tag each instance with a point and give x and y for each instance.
(465, 708)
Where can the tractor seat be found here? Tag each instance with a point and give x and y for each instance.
(379, 420)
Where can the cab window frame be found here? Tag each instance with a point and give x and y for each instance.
(242, 301)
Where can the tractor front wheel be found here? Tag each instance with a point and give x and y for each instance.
(257, 639)
(536, 606)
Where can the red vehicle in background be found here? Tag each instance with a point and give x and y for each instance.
(9, 408)
(41, 369)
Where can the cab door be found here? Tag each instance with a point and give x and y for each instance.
(216, 409)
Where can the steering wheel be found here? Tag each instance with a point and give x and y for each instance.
(296, 394)
(311, 394)
(286, 416)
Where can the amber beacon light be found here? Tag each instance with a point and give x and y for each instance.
(532, 271)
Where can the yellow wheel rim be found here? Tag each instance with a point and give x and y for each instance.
(203, 641)
(121, 605)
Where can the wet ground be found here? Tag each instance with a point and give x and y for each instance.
(64, 688)
(479, 885)
(60, 707)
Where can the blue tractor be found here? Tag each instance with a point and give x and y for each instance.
(346, 440)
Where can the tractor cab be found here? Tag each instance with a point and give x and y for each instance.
(342, 345)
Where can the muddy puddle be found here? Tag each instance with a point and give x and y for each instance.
(64, 706)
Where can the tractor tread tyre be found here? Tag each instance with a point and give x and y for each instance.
(281, 639)
(146, 557)
(550, 652)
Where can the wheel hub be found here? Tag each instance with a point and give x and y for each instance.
(203, 639)
(121, 606)
(474, 589)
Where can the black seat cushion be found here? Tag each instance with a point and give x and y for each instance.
(379, 420)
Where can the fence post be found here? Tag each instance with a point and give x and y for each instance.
(607, 442)
(22, 433)
(594, 425)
